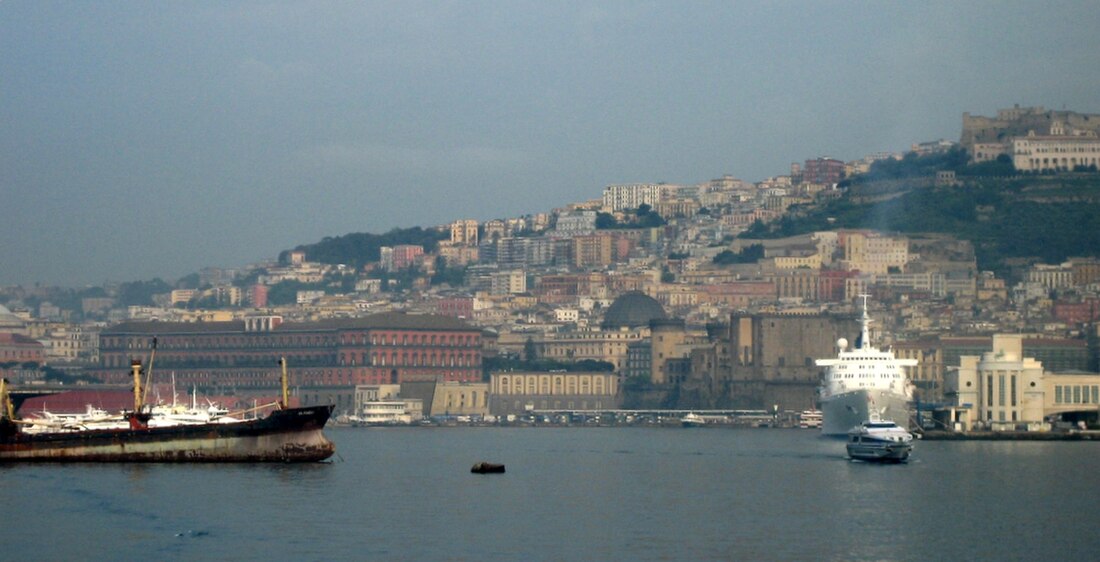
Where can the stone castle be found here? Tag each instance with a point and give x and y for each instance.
(1019, 121)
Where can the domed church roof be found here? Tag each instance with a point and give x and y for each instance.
(9, 320)
(632, 310)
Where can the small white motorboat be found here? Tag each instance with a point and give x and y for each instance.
(879, 441)
(691, 419)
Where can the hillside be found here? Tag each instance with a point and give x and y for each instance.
(357, 249)
(1011, 219)
(1043, 218)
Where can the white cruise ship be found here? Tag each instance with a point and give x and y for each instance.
(862, 383)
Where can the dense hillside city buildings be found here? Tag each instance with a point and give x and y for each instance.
(648, 287)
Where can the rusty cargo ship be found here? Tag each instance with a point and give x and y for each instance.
(284, 435)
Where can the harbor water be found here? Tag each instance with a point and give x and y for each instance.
(568, 494)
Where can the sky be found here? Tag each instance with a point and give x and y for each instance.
(152, 139)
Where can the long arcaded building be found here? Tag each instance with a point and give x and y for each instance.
(385, 348)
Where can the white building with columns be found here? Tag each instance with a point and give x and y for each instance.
(1001, 389)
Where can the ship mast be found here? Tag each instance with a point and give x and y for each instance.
(135, 367)
(149, 373)
(5, 397)
(286, 386)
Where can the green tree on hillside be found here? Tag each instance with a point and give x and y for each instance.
(644, 217)
(358, 249)
(453, 276)
(140, 293)
(750, 254)
(1050, 218)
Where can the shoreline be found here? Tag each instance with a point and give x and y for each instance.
(1073, 435)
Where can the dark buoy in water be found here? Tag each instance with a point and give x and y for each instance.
(487, 468)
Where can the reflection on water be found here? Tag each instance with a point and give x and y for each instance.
(641, 493)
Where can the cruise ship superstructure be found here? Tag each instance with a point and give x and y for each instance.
(863, 382)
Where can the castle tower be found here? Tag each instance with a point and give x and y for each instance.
(667, 337)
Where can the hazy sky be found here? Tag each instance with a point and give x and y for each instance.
(150, 139)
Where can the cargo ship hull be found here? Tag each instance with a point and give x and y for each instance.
(290, 435)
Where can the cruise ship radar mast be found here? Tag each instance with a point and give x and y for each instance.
(865, 326)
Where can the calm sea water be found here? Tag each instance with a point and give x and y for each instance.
(569, 493)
